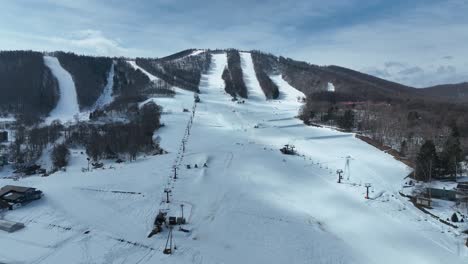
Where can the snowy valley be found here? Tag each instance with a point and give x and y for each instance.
(242, 199)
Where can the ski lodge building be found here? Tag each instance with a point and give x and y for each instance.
(16, 196)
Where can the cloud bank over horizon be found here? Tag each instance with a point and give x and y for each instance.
(418, 43)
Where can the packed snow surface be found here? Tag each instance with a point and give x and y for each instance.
(286, 91)
(136, 67)
(249, 204)
(106, 96)
(196, 52)
(67, 105)
(254, 90)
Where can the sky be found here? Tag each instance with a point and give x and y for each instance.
(418, 43)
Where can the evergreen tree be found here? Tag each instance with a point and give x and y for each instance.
(451, 153)
(403, 148)
(60, 156)
(346, 122)
(426, 161)
(454, 218)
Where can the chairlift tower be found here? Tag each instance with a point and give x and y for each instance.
(367, 185)
(167, 191)
(339, 172)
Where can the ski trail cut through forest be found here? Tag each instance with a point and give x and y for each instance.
(67, 105)
(106, 96)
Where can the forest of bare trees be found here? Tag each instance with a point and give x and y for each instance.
(407, 126)
(179, 69)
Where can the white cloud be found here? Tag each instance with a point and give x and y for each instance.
(92, 42)
(410, 48)
(429, 35)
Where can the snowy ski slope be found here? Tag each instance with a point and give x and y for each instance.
(254, 91)
(251, 204)
(106, 96)
(67, 105)
(136, 67)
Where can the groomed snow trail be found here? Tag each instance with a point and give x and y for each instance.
(67, 105)
(136, 67)
(254, 90)
(213, 81)
(286, 91)
(251, 204)
(106, 96)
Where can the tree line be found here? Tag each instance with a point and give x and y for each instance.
(270, 89)
(179, 69)
(110, 140)
(28, 88)
(89, 75)
(233, 76)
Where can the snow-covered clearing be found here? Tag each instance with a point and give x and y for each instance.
(251, 204)
(330, 87)
(106, 96)
(67, 105)
(136, 67)
(196, 52)
(286, 91)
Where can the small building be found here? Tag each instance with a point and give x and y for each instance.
(462, 186)
(10, 226)
(423, 201)
(443, 194)
(19, 195)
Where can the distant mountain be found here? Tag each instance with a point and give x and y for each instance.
(27, 87)
(457, 93)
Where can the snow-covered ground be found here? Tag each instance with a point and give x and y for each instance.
(254, 91)
(136, 67)
(196, 52)
(330, 87)
(67, 105)
(251, 204)
(287, 92)
(106, 96)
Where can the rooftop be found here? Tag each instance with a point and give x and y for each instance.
(13, 188)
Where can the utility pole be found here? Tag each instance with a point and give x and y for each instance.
(182, 209)
(339, 172)
(175, 173)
